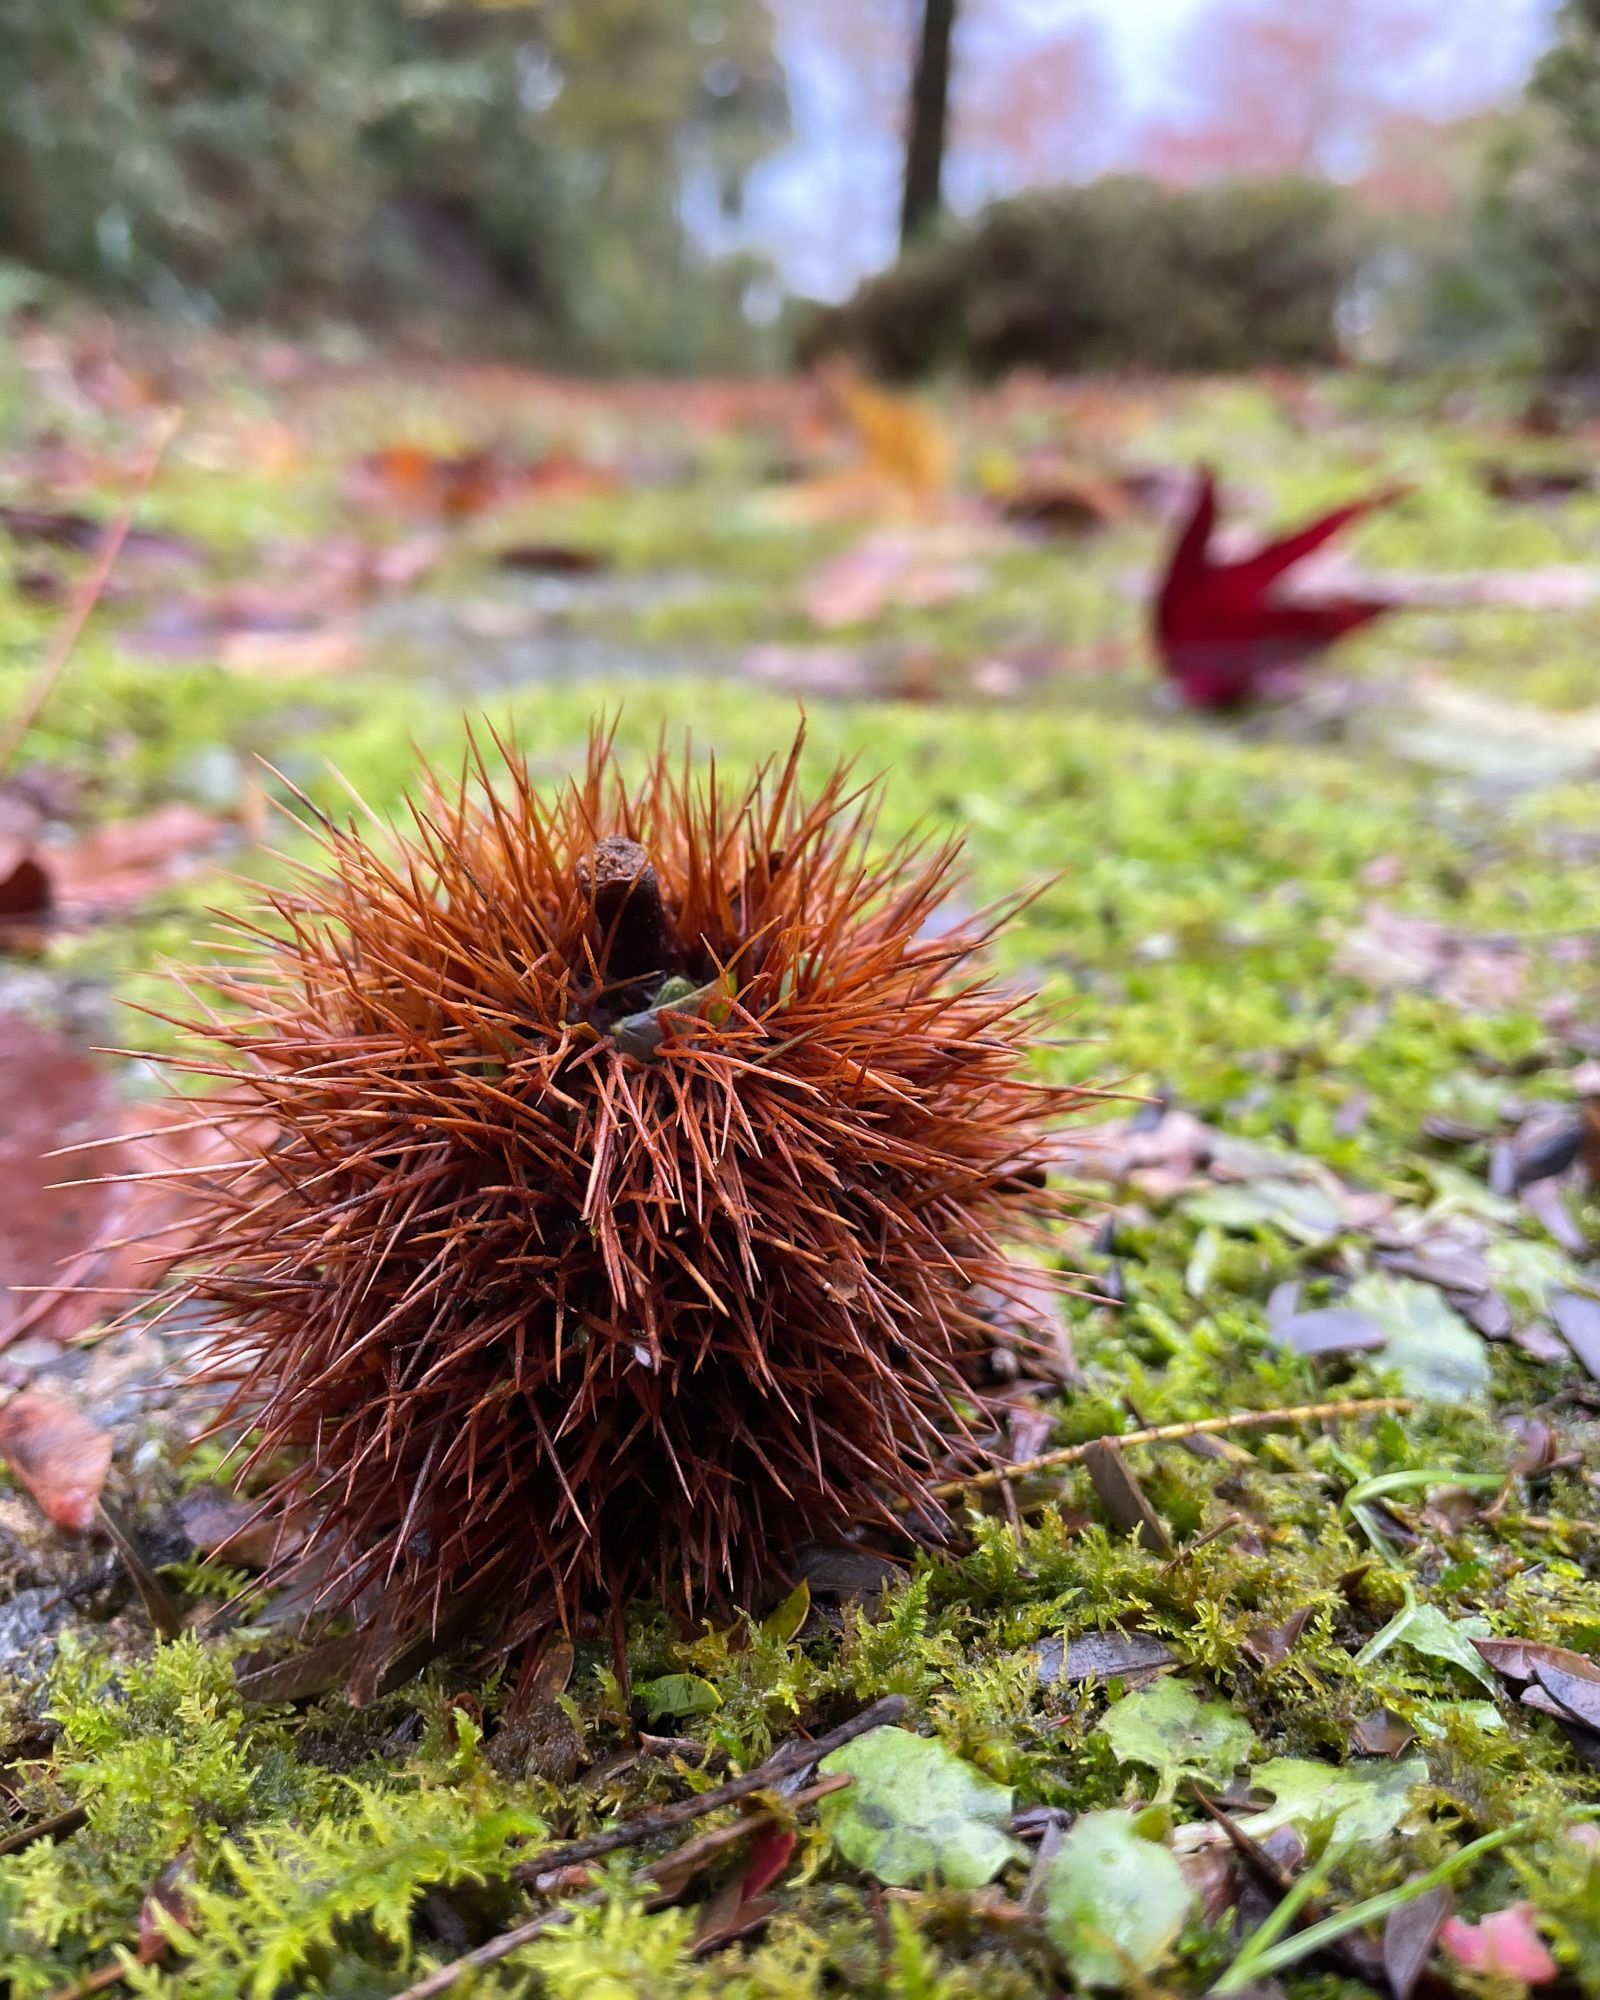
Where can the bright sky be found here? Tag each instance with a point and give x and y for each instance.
(826, 207)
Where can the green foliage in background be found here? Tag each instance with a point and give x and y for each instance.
(391, 158)
(1121, 273)
(1543, 211)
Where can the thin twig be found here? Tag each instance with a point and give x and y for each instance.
(1225, 1526)
(672, 1871)
(783, 1763)
(58, 1826)
(499, 1947)
(1239, 1420)
(89, 594)
(92, 1982)
(1548, 1524)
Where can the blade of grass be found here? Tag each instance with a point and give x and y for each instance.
(1400, 1482)
(1242, 1972)
(71, 631)
(1254, 1963)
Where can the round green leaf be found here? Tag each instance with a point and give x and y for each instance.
(1169, 1728)
(916, 1811)
(1427, 1344)
(1113, 1901)
(1368, 1800)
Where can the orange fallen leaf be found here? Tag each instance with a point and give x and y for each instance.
(463, 485)
(54, 1096)
(59, 1456)
(326, 649)
(126, 861)
(905, 462)
(901, 442)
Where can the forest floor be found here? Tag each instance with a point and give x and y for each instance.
(1343, 953)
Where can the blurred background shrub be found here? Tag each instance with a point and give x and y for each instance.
(573, 180)
(1121, 273)
(518, 169)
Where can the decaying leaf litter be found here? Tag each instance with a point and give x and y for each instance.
(1307, 1702)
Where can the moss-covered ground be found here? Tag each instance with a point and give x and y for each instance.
(1206, 916)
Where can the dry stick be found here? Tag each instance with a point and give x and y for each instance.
(497, 1948)
(1548, 1524)
(1239, 1420)
(783, 1763)
(57, 1827)
(89, 594)
(92, 1982)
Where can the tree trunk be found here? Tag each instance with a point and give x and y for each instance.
(930, 100)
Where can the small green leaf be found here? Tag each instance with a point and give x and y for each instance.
(1369, 1800)
(1420, 1476)
(784, 1622)
(1113, 1901)
(1427, 1344)
(1169, 1728)
(916, 1811)
(1525, 1274)
(1425, 1629)
(1203, 1263)
(677, 1694)
(1300, 1210)
(673, 991)
(1480, 1714)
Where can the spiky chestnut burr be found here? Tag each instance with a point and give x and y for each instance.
(625, 1185)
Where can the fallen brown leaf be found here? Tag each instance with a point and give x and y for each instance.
(1381, 1734)
(1392, 950)
(54, 1096)
(218, 1524)
(328, 649)
(1521, 1659)
(912, 572)
(1578, 1694)
(58, 1455)
(1330, 1330)
(1409, 1937)
(81, 534)
(1122, 1496)
(551, 559)
(1064, 500)
(1577, 1319)
(1104, 1656)
(1271, 1645)
(1528, 483)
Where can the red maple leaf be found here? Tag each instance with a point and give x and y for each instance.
(1221, 628)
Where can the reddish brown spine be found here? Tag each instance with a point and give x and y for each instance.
(635, 1170)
